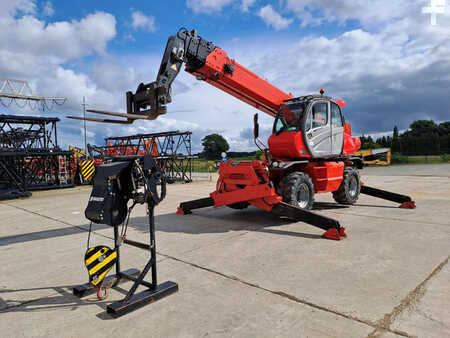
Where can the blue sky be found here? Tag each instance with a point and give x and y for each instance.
(384, 58)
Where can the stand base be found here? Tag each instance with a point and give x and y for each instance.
(140, 299)
(110, 281)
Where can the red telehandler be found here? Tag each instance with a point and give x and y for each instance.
(310, 149)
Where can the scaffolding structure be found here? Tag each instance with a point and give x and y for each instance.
(30, 158)
(172, 150)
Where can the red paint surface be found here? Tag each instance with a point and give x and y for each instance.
(288, 145)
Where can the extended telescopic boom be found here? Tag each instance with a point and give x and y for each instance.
(206, 62)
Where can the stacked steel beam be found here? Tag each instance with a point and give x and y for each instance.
(30, 158)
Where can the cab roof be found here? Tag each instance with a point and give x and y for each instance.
(341, 103)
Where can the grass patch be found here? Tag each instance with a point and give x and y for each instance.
(204, 166)
(420, 159)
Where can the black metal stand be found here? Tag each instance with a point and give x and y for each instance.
(132, 301)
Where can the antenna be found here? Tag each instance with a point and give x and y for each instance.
(84, 104)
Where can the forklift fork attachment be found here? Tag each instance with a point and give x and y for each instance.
(94, 119)
(405, 201)
(130, 117)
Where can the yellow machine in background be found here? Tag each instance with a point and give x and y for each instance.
(77, 152)
(380, 156)
(86, 168)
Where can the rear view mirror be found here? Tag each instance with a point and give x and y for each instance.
(255, 126)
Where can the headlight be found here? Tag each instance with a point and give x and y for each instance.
(275, 164)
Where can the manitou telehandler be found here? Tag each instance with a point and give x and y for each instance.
(310, 149)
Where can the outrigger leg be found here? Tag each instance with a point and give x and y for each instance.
(405, 201)
(333, 229)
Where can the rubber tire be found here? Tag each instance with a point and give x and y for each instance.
(238, 205)
(342, 195)
(289, 187)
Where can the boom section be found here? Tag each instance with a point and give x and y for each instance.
(206, 62)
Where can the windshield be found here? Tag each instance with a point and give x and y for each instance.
(290, 116)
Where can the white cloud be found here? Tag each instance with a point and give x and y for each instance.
(10, 8)
(371, 14)
(273, 18)
(142, 21)
(61, 40)
(246, 4)
(48, 9)
(37, 51)
(207, 6)
(215, 6)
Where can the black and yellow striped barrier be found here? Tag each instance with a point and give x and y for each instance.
(99, 261)
(87, 169)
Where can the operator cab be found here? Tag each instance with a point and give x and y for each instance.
(308, 127)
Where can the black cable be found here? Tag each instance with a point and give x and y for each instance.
(89, 235)
(123, 232)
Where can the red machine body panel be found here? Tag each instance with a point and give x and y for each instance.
(326, 176)
(351, 144)
(245, 182)
(288, 145)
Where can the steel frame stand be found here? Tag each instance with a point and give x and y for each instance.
(133, 300)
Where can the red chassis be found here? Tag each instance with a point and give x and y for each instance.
(244, 183)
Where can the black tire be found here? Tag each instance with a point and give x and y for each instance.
(297, 189)
(348, 192)
(238, 205)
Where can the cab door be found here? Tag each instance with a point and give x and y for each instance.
(318, 129)
(337, 129)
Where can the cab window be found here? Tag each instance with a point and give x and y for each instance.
(336, 118)
(319, 115)
(308, 122)
(290, 116)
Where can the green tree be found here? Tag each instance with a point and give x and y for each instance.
(368, 143)
(396, 148)
(423, 128)
(213, 146)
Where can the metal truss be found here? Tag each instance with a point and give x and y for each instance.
(30, 158)
(27, 133)
(19, 92)
(34, 170)
(172, 150)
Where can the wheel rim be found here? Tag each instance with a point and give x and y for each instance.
(353, 186)
(303, 195)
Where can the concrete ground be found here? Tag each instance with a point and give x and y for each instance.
(241, 273)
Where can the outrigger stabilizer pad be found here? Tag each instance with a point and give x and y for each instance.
(334, 234)
(408, 205)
